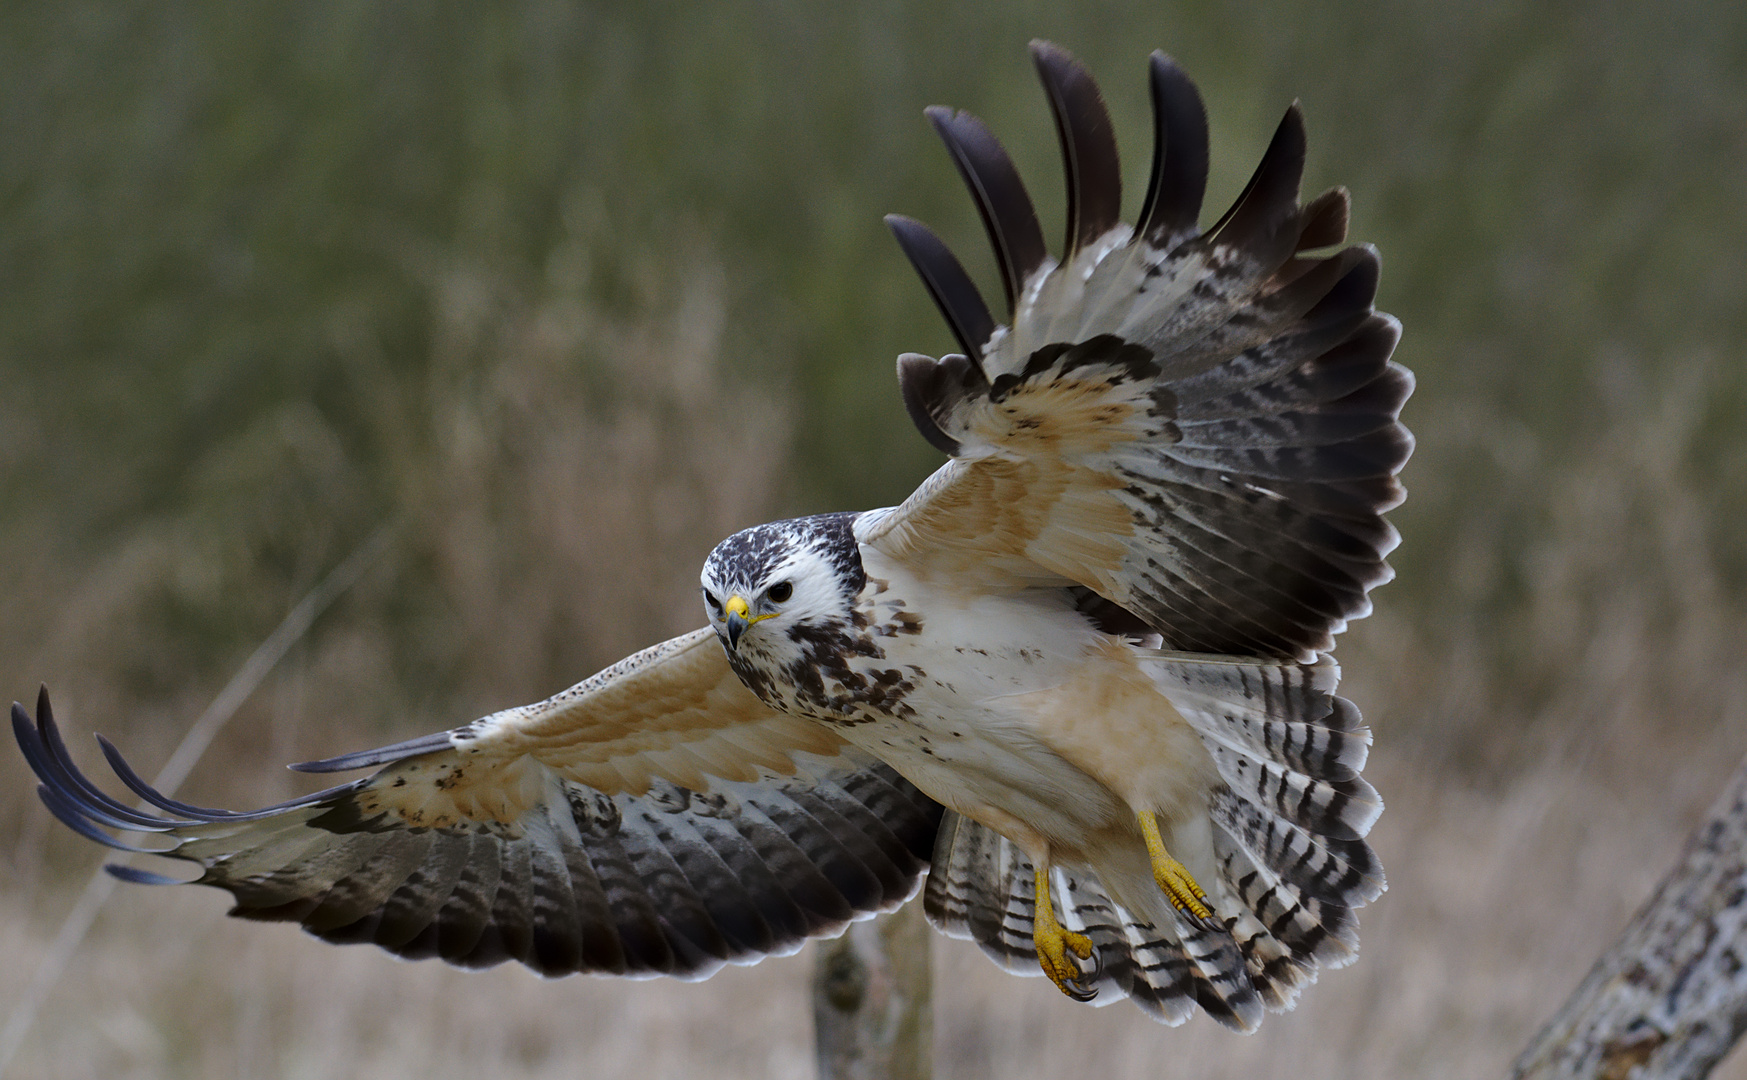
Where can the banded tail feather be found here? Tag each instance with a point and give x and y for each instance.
(1287, 841)
(1279, 737)
(1167, 966)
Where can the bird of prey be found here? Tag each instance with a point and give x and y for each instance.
(1076, 688)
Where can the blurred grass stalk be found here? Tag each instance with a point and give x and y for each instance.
(553, 516)
(255, 669)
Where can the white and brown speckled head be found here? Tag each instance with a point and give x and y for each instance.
(768, 586)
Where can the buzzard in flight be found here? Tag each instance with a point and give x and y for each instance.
(1075, 688)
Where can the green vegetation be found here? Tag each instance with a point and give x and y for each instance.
(257, 263)
(570, 291)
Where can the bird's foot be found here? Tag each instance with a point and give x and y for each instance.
(1057, 945)
(1173, 878)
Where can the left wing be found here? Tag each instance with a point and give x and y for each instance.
(1201, 427)
(656, 818)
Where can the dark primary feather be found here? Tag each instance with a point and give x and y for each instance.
(139, 787)
(671, 881)
(927, 384)
(951, 288)
(1000, 195)
(1088, 140)
(369, 759)
(1257, 493)
(1263, 221)
(1172, 207)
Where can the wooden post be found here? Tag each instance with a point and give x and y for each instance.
(1670, 998)
(872, 1000)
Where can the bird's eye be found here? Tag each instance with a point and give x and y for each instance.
(710, 599)
(780, 592)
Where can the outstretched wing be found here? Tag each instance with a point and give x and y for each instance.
(1200, 426)
(654, 819)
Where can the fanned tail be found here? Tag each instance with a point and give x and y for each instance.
(980, 889)
(1288, 826)
(1291, 814)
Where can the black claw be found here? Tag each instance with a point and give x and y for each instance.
(1208, 923)
(1085, 988)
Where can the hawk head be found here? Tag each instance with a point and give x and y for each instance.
(774, 592)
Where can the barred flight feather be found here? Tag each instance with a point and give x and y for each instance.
(671, 881)
(1234, 397)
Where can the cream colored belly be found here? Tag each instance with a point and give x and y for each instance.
(1029, 721)
(1110, 721)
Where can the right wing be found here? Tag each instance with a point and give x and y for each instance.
(1201, 427)
(656, 818)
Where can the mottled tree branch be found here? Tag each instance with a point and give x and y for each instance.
(872, 1000)
(1669, 999)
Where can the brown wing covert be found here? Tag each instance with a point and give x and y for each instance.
(479, 856)
(1199, 425)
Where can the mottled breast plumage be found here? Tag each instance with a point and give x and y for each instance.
(819, 651)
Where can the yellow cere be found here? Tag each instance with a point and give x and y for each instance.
(736, 605)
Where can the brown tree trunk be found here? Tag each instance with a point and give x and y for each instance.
(873, 998)
(1670, 998)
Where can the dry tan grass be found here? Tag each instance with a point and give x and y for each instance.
(1511, 864)
(1499, 900)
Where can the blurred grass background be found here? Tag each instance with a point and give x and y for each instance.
(568, 292)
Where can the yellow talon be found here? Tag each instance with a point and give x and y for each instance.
(1055, 942)
(1173, 878)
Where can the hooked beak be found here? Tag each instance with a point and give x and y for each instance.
(739, 618)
